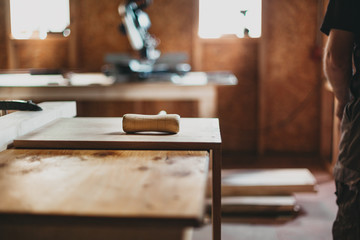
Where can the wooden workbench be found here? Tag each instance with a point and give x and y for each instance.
(96, 87)
(102, 135)
(106, 133)
(101, 194)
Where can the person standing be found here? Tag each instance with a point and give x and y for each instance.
(342, 69)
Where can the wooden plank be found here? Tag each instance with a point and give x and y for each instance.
(249, 182)
(107, 133)
(155, 90)
(204, 95)
(258, 204)
(135, 185)
(22, 122)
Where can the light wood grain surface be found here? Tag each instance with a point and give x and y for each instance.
(119, 184)
(107, 133)
(22, 122)
(204, 95)
(258, 204)
(240, 182)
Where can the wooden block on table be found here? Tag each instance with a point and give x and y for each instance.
(22, 122)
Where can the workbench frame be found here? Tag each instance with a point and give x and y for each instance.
(196, 134)
(204, 95)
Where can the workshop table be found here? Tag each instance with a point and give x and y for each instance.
(101, 194)
(199, 87)
(106, 133)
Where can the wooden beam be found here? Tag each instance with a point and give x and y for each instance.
(258, 204)
(11, 58)
(267, 182)
(270, 182)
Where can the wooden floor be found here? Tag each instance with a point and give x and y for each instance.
(313, 221)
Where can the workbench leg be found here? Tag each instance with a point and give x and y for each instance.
(216, 194)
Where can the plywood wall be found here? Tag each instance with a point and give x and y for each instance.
(3, 36)
(274, 108)
(97, 29)
(97, 33)
(290, 77)
(51, 53)
(237, 106)
(172, 24)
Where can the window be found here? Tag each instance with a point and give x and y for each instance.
(229, 17)
(36, 18)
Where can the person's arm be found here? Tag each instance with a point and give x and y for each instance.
(338, 65)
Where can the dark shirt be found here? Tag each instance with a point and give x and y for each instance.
(345, 15)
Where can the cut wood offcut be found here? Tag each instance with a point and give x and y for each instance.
(262, 191)
(252, 182)
(258, 205)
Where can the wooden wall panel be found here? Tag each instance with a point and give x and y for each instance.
(183, 108)
(172, 23)
(48, 53)
(237, 105)
(290, 80)
(97, 33)
(97, 29)
(3, 35)
(104, 108)
(119, 108)
(274, 108)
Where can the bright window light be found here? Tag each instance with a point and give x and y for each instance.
(229, 17)
(35, 18)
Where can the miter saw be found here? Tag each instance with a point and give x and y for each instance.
(149, 63)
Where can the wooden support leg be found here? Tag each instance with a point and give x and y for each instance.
(216, 194)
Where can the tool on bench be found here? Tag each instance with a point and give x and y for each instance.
(162, 122)
(149, 62)
(20, 105)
